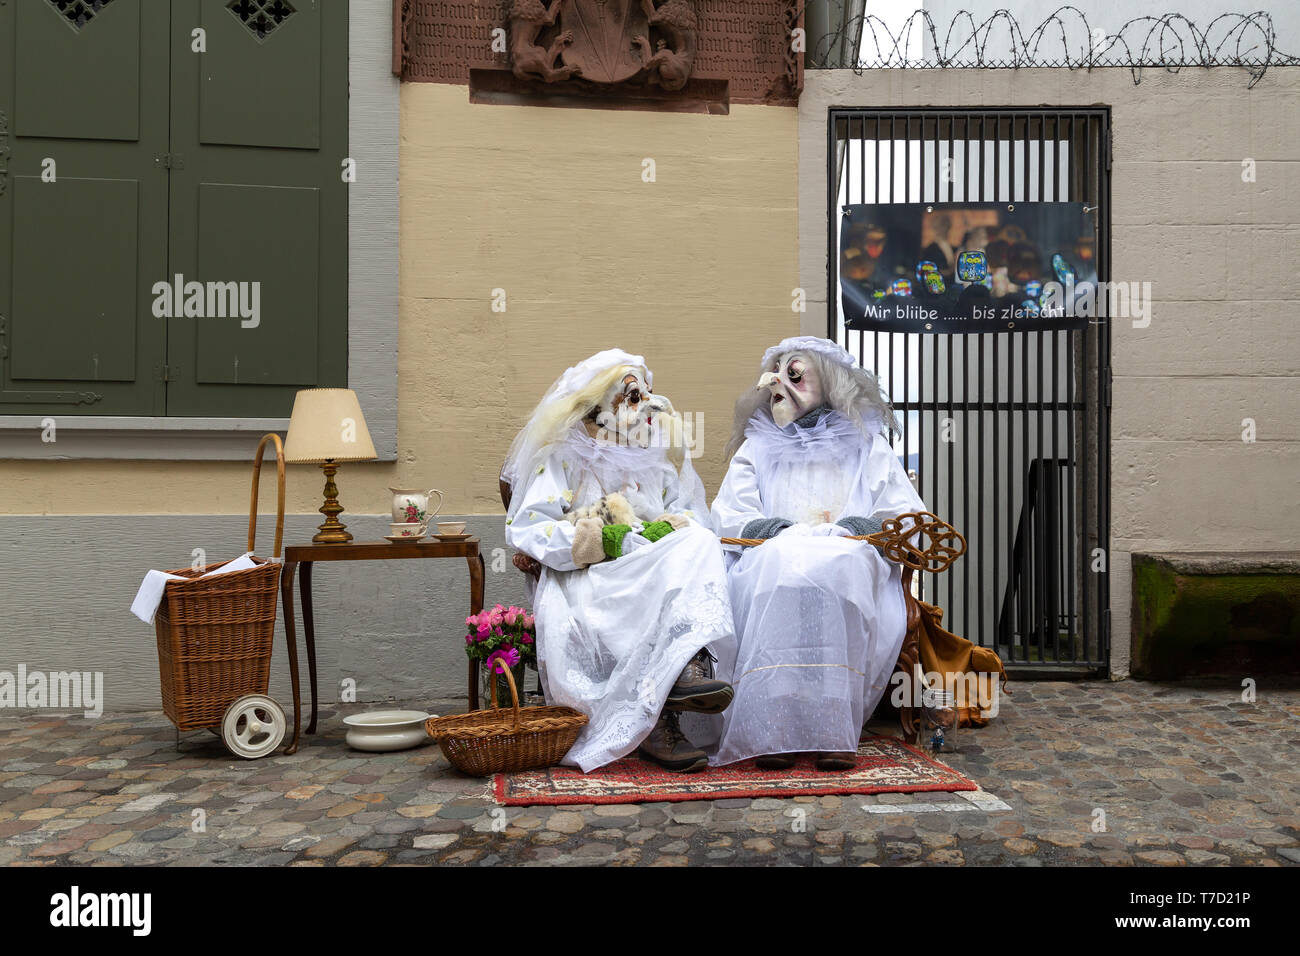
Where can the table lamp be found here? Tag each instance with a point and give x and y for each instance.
(326, 428)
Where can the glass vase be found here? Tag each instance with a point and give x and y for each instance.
(486, 677)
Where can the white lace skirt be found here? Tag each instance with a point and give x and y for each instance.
(612, 639)
(819, 624)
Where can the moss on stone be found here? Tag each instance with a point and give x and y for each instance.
(1194, 624)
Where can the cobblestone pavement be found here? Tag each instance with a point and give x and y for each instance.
(1182, 775)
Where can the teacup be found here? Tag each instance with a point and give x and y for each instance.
(451, 527)
(408, 529)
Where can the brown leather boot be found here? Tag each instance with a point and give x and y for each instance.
(775, 761)
(836, 760)
(696, 689)
(667, 746)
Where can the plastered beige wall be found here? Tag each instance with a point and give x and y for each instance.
(1223, 344)
(694, 270)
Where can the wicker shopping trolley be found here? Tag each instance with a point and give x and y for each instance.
(214, 641)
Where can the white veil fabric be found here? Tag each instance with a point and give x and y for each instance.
(533, 443)
(819, 619)
(612, 637)
(849, 389)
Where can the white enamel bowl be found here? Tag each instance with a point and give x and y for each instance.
(383, 730)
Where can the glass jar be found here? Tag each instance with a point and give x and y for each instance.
(939, 719)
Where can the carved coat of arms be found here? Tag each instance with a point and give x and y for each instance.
(604, 41)
(603, 48)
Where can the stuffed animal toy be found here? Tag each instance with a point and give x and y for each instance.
(602, 528)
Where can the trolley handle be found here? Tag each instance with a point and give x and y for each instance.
(273, 438)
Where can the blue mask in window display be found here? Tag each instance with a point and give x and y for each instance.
(1064, 271)
(630, 414)
(795, 386)
(972, 266)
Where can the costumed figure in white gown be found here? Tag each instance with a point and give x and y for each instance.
(820, 618)
(632, 586)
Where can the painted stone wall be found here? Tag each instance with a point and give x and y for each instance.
(693, 269)
(547, 211)
(1221, 346)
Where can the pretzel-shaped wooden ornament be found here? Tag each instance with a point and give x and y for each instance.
(945, 543)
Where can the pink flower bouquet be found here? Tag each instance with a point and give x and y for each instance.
(501, 637)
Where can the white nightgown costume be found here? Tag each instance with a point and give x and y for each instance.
(612, 638)
(819, 620)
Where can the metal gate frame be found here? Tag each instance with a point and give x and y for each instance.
(1021, 604)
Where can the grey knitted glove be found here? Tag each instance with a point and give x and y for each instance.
(765, 527)
(859, 525)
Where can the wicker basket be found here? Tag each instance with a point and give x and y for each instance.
(499, 741)
(214, 634)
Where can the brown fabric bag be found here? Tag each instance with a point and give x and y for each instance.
(945, 653)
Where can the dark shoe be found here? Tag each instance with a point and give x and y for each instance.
(775, 761)
(667, 746)
(836, 760)
(696, 690)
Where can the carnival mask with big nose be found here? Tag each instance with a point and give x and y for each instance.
(629, 413)
(795, 386)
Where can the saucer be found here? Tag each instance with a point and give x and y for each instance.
(399, 538)
(452, 537)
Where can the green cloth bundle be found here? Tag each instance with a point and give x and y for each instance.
(656, 530)
(611, 537)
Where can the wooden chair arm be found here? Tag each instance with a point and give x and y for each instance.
(529, 565)
(909, 657)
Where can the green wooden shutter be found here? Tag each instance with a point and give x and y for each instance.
(260, 124)
(220, 166)
(78, 256)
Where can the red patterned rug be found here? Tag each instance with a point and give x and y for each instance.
(885, 765)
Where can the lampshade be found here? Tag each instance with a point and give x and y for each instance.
(327, 425)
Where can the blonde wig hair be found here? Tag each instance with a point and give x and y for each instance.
(571, 402)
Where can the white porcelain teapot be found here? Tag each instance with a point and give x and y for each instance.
(411, 504)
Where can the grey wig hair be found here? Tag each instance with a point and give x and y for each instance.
(849, 389)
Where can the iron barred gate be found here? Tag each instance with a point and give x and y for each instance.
(1008, 432)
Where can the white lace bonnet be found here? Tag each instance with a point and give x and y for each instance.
(809, 343)
(534, 438)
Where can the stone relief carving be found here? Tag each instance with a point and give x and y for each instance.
(604, 42)
(674, 56)
(529, 59)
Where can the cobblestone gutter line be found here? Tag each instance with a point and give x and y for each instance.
(1096, 773)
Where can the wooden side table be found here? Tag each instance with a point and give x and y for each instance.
(309, 554)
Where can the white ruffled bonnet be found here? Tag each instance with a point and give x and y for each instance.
(533, 440)
(576, 377)
(810, 343)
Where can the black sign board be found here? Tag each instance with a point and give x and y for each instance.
(967, 267)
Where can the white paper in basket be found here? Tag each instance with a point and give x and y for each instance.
(150, 595)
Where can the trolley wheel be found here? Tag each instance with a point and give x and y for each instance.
(253, 726)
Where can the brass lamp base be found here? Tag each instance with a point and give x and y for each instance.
(333, 531)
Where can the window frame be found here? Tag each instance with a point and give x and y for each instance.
(373, 137)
